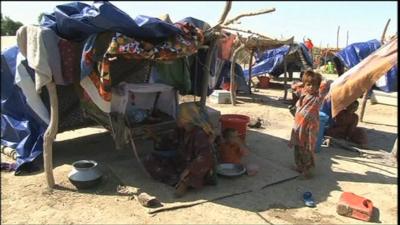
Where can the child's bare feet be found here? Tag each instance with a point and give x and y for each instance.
(306, 174)
(295, 168)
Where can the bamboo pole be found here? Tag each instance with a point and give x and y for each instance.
(251, 67)
(233, 76)
(337, 37)
(365, 97)
(50, 135)
(206, 73)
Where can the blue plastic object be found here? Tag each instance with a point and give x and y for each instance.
(308, 199)
(323, 121)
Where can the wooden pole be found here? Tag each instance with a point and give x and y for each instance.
(337, 37)
(285, 77)
(50, 135)
(347, 38)
(206, 73)
(251, 67)
(365, 97)
(233, 75)
(394, 149)
(384, 31)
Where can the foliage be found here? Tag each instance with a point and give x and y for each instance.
(9, 27)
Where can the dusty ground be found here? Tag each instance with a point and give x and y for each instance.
(25, 199)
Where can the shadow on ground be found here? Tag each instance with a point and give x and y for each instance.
(100, 147)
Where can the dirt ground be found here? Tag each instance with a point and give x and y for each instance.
(25, 200)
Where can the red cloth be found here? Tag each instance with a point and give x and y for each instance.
(309, 44)
(225, 46)
(70, 53)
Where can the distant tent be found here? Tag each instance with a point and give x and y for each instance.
(356, 52)
(271, 61)
(224, 77)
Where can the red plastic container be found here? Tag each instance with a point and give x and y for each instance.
(352, 205)
(227, 86)
(237, 122)
(264, 82)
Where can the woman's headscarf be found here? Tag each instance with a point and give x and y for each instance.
(191, 113)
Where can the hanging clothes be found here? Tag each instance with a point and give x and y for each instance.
(225, 45)
(39, 46)
(197, 67)
(70, 53)
(175, 74)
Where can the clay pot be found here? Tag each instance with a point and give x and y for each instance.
(85, 174)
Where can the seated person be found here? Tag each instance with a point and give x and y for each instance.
(232, 149)
(345, 126)
(193, 166)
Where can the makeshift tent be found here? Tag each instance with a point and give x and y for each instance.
(84, 55)
(272, 61)
(360, 78)
(356, 52)
(224, 77)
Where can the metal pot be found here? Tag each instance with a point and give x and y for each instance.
(85, 174)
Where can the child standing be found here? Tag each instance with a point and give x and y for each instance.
(306, 123)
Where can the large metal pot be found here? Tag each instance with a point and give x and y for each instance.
(85, 174)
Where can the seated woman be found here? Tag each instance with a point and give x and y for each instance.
(345, 126)
(193, 166)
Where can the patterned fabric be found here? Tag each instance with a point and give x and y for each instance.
(196, 157)
(306, 124)
(305, 160)
(175, 47)
(70, 53)
(191, 113)
(101, 50)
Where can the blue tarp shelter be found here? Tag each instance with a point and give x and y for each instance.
(356, 52)
(271, 61)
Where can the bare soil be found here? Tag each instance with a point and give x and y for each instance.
(25, 199)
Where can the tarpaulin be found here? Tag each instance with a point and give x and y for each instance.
(225, 76)
(21, 128)
(77, 21)
(271, 61)
(357, 80)
(356, 52)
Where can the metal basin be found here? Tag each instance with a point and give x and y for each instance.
(230, 169)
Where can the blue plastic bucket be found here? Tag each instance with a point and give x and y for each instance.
(323, 120)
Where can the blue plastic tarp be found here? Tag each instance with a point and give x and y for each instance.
(21, 128)
(268, 61)
(271, 61)
(356, 52)
(77, 21)
(225, 76)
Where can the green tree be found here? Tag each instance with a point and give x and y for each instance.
(9, 27)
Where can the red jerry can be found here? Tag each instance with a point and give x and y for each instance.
(352, 205)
